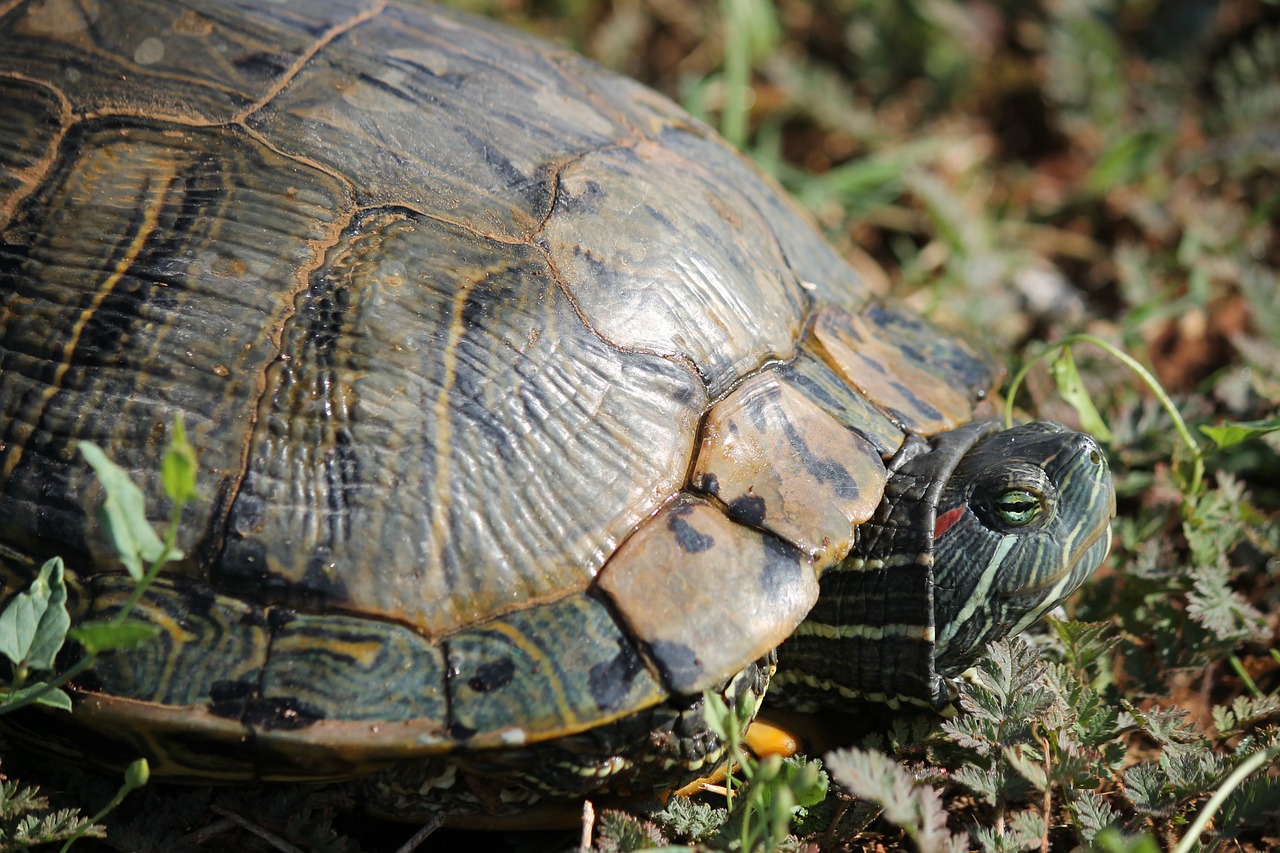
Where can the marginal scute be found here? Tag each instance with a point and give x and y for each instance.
(519, 678)
(202, 642)
(325, 663)
(895, 377)
(706, 594)
(824, 387)
(780, 462)
(930, 349)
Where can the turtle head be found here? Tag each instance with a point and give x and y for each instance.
(1022, 520)
(979, 533)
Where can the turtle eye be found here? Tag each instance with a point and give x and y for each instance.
(1019, 507)
(1013, 496)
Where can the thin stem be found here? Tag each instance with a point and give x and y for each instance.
(48, 687)
(737, 73)
(1254, 762)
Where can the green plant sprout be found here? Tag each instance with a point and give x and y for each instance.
(35, 625)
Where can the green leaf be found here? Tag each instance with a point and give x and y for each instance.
(1129, 156)
(178, 471)
(807, 779)
(124, 513)
(100, 636)
(1072, 389)
(53, 698)
(1029, 767)
(1232, 433)
(619, 831)
(691, 819)
(916, 809)
(1145, 788)
(1093, 814)
(1221, 610)
(34, 625)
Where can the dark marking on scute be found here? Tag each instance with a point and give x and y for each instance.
(831, 471)
(749, 508)
(924, 407)
(408, 98)
(492, 675)
(231, 699)
(970, 370)
(912, 352)
(229, 691)
(680, 664)
(610, 682)
(708, 483)
(827, 470)
(659, 216)
(472, 379)
(282, 712)
(811, 389)
(535, 190)
(453, 80)
(706, 231)
(587, 200)
(280, 617)
(320, 582)
(244, 558)
(688, 538)
(461, 733)
(822, 470)
(261, 65)
(200, 601)
(781, 565)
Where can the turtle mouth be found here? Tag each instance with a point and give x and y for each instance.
(1087, 553)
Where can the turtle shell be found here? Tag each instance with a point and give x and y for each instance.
(522, 401)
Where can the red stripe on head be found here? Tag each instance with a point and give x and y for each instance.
(947, 519)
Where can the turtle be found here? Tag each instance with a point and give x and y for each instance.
(527, 411)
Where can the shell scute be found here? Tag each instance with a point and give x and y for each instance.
(706, 594)
(813, 378)
(214, 240)
(446, 119)
(518, 679)
(323, 665)
(896, 378)
(438, 395)
(165, 59)
(207, 648)
(782, 463)
(726, 302)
